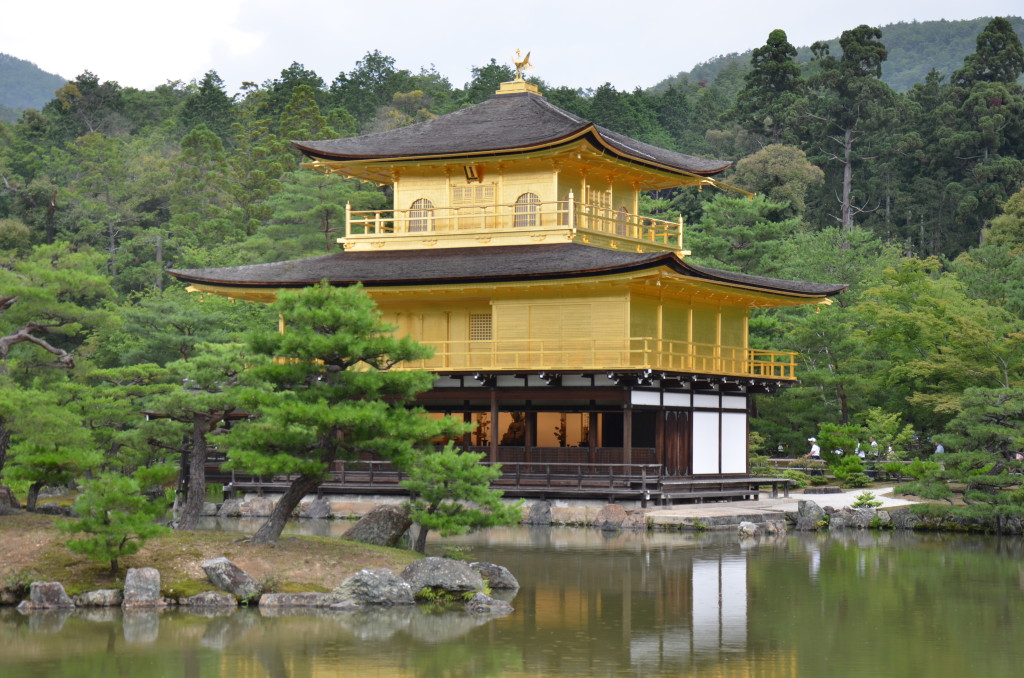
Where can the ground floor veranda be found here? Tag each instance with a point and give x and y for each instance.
(616, 436)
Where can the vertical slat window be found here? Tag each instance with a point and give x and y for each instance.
(420, 215)
(526, 210)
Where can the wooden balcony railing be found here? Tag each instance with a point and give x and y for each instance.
(515, 217)
(607, 354)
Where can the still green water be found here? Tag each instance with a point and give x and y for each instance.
(593, 604)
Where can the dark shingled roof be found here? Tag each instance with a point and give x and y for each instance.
(482, 264)
(502, 123)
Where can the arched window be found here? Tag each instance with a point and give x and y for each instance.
(526, 210)
(420, 214)
(621, 217)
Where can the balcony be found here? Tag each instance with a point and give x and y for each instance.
(607, 354)
(518, 223)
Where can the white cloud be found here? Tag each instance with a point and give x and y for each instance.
(575, 43)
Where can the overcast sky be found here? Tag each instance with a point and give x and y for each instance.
(629, 43)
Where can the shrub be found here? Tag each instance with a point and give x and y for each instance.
(116, 517)
(865, 500)
(799, 478)
(849, 471)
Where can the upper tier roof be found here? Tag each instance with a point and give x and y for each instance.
(502, 124)
(480, 265)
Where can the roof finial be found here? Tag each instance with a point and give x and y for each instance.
(522, 63)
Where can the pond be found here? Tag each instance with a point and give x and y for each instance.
(606, 604)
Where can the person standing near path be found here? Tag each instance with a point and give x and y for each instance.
(815, 452)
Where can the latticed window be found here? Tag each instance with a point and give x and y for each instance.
(420, 214)
(526, 210)
(480, 327)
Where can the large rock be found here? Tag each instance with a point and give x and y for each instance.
(383, 526)
(749, 529)
(376, 587)
(257, 507)
(142, 588)
(442, 574)
(497, 576)
(100, 598)
(231, 508)
(46, 595)
(851, 518)
(903, 519)
(539, 514)
(227, 576)
(610, 517)
(317, 508)
(485, 605)
(809, 516)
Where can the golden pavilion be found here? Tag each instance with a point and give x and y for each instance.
(568, 326)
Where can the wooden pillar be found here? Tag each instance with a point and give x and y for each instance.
(592, 437)
(627, 436)
(467, 437)
(529, 434)
(493, 458)
(660, 438)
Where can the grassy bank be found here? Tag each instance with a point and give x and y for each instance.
(33, 549)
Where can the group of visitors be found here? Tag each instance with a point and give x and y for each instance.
(870, 451)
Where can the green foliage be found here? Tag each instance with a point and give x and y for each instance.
(849, 470)
(49, 445)
(865, 500)
(990, 420)
(451, 494)
(800, 478)
(888, 431)
(743, 234)
(323, 390)
(769, 103)
(116, 517)
(836, 439)
(759, 465)
(917, 469)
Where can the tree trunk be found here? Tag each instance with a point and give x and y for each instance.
(270, 531)
(33, 495)
(421, 537)
(5, 442)
(421, 540)
(195, 493)
(847, 210)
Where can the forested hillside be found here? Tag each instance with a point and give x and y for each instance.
(914, 199)
(24, 85)
(915, 48)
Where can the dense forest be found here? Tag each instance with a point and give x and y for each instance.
(915, 199)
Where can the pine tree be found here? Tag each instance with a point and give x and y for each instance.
(324, 391)
(772, 90)
(116, 516)
(451, 494)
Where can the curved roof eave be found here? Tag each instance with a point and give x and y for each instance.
(502, 124)
(513, 263)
